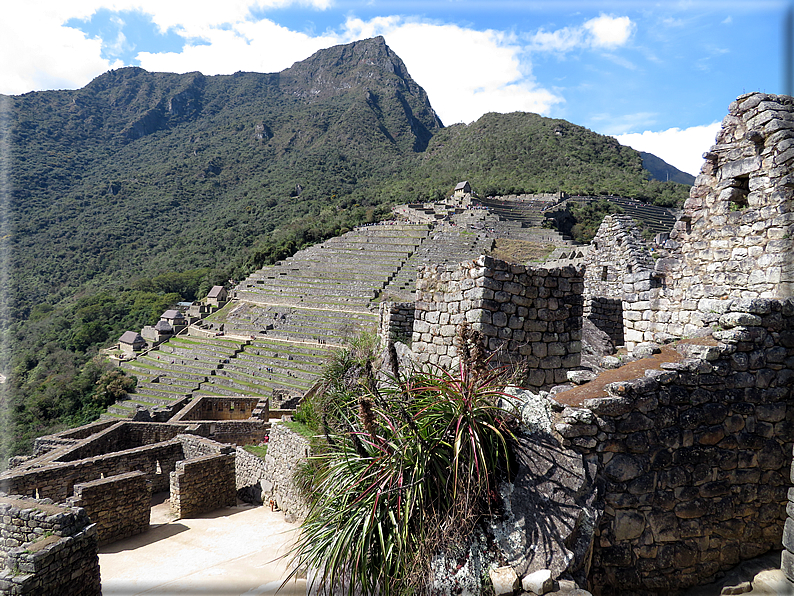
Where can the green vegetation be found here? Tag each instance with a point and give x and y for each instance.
(142, 189)
(259, 450)
(588, 217)
(406, 470)
(520, 251)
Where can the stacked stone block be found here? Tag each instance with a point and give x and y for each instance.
(47, 549)
(735, 238)
(787, 556)
(396, 320)
(285, 452)
(619, 273)
(694, 459)
(55, 480)
(529, 316)
(203, 484)
(250, 469)
(119, 505)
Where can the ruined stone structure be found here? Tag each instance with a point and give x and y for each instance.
(118, 505)
(694, 457)
(396, 320)
(686, 469)
(736, 236)
(619, 274)
(285, 452)
(47, 549)
(528, 315)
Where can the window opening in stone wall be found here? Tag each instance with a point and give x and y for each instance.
(629, 268)
(739, 192)
(157, 468)
(604, 271)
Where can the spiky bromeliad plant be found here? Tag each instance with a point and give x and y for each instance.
(411, 475)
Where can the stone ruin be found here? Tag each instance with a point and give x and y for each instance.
(664, 478)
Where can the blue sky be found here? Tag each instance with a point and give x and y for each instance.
(657, 75)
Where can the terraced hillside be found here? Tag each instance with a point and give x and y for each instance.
(272, 338)
(657, 219)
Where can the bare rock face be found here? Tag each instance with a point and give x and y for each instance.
(550, 517)
(595, 345)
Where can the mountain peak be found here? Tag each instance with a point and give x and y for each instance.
(335, 70)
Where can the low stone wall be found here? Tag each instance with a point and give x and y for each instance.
(125, 435)
(55, 481)
(529, 315)
(47, 549)
(203, 484)
(694, 459)
(193, 446)
(249, 472)
(396, 320)
(119, 505)
(240, 432)
(286, 451)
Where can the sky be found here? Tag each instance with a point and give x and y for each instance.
(657, 75)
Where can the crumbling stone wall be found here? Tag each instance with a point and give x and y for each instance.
(285, 452)
(694, 459)
(55, 480)
(619, 273)
(47, 549)
(529, 315)
(735, 238)
(119, 505)
(193, 446)
(396, 320)
(203, 484)
(250, 469)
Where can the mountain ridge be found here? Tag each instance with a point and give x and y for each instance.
(144, 187)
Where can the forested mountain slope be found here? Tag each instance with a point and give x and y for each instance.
(143, 188)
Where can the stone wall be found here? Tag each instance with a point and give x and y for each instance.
(119, 505)
(618, 276)
(694, 459)
(528, 315)
(250, 469)
(193, 446)
(203, 484)
(396, 320)
(47, 549)
(285, 452)
(735, 238)
(55, 480)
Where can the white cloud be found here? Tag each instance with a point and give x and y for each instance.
(681, 148)
(465, 72)
(561, 40)
(37, 52)
(603, 32)
(261, 46)
(609, 32)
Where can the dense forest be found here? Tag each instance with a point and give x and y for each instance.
(142, 189)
